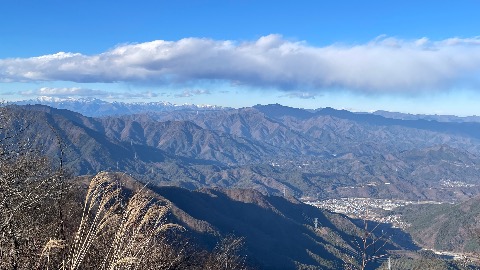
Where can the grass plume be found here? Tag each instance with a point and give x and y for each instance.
(134, 224)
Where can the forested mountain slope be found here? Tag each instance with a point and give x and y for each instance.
(451, 227)
(323, 154)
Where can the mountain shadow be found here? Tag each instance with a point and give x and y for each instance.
(279, 232)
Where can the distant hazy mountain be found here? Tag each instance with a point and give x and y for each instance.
(439, 118)
(95, 107)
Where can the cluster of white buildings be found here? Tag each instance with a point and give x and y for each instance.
(367, 208)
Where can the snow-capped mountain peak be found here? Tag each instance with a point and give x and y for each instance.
(97, 107)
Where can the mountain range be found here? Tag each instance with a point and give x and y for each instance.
(96, 107)
(272, 148)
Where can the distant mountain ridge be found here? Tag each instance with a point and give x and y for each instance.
(96, 107)
(439, 118)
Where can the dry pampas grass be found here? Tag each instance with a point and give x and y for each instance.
(135, 224)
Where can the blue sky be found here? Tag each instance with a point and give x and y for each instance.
(408, 56)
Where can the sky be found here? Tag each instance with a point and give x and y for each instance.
(405, 56)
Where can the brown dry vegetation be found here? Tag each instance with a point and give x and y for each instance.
(118, 228)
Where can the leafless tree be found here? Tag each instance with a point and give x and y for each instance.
(226, 254)
(369, 246)
(29, 187)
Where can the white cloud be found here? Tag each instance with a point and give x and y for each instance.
(301, 95)
(191, 93)
(63, 92)
(145, 94)
(382, 65)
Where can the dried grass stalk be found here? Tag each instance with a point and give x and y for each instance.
(136, 225)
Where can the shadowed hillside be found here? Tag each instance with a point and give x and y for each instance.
(279, 233)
